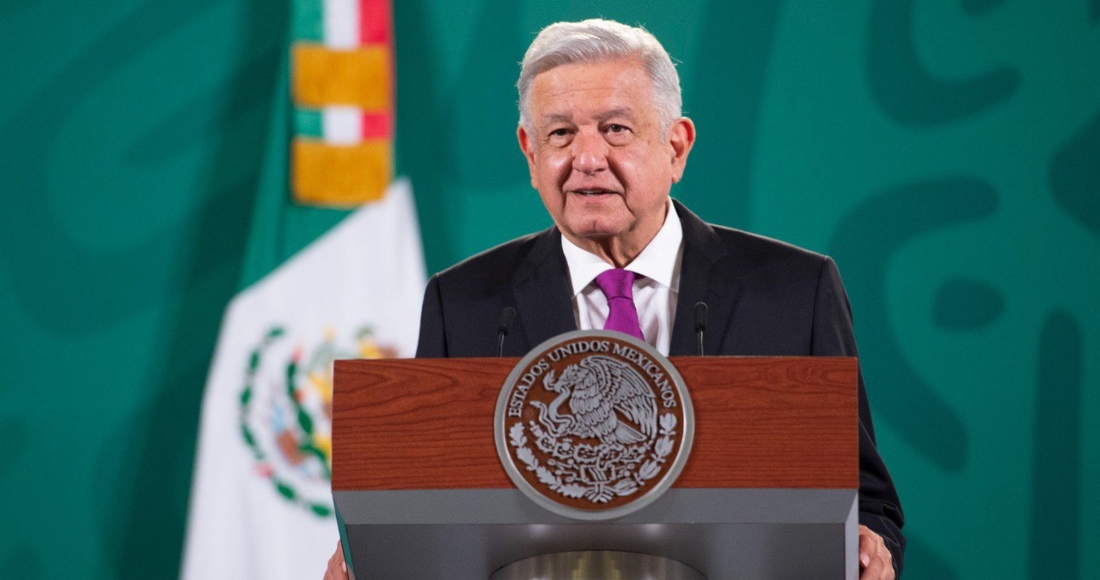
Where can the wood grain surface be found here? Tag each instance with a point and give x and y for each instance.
(760, 422)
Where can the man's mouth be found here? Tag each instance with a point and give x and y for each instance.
(592, 192)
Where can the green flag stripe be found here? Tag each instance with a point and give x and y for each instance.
(308, 23)
(308, 123)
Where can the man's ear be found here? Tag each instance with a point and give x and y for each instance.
(527, 146)
(681, 136)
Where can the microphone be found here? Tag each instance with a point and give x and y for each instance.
(506, 317)
(700, 323)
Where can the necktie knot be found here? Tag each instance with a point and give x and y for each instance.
(618, 286)
(617, 283)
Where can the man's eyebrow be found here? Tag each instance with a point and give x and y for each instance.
(601, 117)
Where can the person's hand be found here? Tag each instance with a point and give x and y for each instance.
(338, 570)
(874, 559)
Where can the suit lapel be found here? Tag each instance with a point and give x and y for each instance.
(542, 291)
(707, 275)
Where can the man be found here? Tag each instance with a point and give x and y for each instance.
(602, 131)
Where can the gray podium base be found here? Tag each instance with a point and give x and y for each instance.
(723, 534)
(596, 565)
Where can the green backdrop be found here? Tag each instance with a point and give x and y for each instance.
(945, 152)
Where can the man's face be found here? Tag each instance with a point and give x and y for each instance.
(597, 155)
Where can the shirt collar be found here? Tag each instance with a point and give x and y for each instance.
(658, 261)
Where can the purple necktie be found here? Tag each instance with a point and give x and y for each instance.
(618, 286)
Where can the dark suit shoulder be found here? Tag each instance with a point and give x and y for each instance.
(769, 264)
(492, 269)
(464, 303)
(769, 294)
(754, 249)
(744, 254)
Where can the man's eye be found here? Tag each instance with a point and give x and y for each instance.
(559, 133)
(617, 129)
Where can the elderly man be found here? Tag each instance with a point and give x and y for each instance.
(602, 132)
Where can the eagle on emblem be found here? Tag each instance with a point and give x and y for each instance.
(609, 401)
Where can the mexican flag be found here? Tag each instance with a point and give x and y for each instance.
(261, 504)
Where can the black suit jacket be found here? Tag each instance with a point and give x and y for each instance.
(765, 298)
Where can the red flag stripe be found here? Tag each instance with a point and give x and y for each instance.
(377, 126)
(375, 21)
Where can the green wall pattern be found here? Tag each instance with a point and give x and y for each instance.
(946, 153)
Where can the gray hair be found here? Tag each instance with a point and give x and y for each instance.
(598, 40)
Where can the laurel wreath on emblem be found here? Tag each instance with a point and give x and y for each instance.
(305, 422)
(596, 473)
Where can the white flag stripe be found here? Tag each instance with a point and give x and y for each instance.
(342, 125)
(367, 271)
(341, 24)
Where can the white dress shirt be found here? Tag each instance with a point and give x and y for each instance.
(656, 283)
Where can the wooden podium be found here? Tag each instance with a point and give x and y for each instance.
(769, 490)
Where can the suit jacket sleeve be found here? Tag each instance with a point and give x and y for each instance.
(879, 506)
(433, 341)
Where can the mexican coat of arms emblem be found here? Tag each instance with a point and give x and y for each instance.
(594, 424)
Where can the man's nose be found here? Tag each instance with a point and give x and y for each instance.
(589, 152)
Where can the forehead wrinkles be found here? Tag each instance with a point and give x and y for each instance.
(568, 101)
